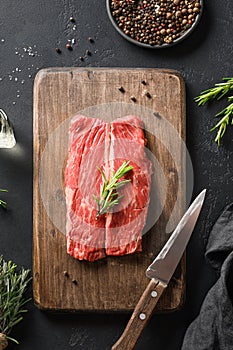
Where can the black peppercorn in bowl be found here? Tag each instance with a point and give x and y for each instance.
(154, 23)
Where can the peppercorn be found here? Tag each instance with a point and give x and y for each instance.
(66, 274)
(133, 98)
(121, 89)
(196, 10)
(58, 50)
(148, 94)
(74, 282)
(81, 58)
(72, 19)
(68, 46)
(88, 53)
(91, 40)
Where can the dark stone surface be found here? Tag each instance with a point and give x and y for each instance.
(203, 59)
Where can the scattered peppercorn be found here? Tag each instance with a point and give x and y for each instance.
(91, 40)
(88, 52)
(121, 89)
(58, 50)
(133, 98)
(157, 115)
(69, 47)
(143, 82)
(148, 94)
(155, 22)
(72, 19)
(66, 274)
(74, 282)
(81, 58)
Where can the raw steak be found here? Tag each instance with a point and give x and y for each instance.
(85, 234)
(124, 226)
(95, 143)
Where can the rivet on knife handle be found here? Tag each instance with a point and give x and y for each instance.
(140, 316)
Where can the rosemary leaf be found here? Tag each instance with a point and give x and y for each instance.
(3, 203)
(12, 287)
(217, 92)
(108, 195)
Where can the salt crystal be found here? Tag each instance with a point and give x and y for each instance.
(16, 69)
(3, 40)
(14, 103)
(29, 76)
(16, 52)
(73, 41)
(0, 79)
(22, 82)
(16, 79)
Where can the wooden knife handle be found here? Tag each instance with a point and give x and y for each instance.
(140, 316)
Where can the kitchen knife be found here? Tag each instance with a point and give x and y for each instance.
(160, 273)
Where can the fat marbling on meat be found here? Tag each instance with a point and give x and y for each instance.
(94, 143)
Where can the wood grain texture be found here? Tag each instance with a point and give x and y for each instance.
(114, 283)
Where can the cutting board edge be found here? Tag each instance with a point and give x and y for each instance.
(51, 70)
(66, 69)
(176, 307)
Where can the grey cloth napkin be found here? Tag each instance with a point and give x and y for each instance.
(213, 328)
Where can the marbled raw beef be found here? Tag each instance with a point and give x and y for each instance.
(93, 143)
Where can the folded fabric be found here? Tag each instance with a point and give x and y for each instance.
(213, 328)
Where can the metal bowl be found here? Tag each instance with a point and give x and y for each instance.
(165, 45)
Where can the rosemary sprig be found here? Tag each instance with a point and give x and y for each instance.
(217, 92)
(12, 287)
(108, 195)
(3, 203)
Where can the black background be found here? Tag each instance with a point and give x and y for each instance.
(203, 59)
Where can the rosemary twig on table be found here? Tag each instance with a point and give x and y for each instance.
(217, 92)
(108, 195)
(12, 287)
(2, 203)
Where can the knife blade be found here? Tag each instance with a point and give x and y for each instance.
(160, 272)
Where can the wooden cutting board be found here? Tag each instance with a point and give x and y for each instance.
(114, 283)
